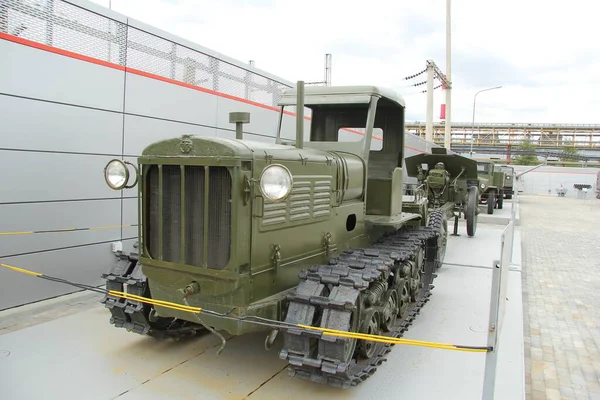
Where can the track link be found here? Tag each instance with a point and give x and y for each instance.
(134, 316)
(378, 290)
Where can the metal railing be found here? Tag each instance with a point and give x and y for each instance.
(510, 125)
(71, 27)
(498, 300)
(507, 140)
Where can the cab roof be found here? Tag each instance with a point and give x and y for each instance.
(314, 95)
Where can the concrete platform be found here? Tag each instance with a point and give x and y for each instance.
(499, 217)
(79, 355)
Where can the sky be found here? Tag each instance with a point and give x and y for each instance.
(544, 54)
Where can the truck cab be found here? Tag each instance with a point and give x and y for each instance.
(491, 185)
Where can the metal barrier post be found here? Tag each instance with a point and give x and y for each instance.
(498, 306)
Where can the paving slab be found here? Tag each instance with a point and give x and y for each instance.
(561, 294)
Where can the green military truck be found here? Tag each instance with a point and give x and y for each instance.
(491, 185)
(508, 180)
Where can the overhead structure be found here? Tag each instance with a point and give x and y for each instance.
(432, 72)
(327, 80)
(504, 134)
(448, 88)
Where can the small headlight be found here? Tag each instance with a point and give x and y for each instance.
(116, 174)
(276, 182)
(483, 185)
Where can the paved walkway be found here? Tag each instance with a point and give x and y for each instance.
(561, 296)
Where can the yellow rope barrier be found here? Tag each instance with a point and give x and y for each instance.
(64, 230)
(325, 331)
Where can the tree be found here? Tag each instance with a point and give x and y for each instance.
(527, 157)
(569, 150)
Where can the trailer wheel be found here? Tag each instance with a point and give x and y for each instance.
(491, 202)
(471, 211)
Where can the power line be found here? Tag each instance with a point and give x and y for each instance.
(415, 75)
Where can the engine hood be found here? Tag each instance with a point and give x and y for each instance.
(190, 146)
(197, 146)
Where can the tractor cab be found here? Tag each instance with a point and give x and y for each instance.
(365, 124)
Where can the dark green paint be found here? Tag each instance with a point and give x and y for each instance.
(453, 195)
(344, 196)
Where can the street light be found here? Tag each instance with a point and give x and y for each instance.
(473, 123)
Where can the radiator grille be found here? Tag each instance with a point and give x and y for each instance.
(184, 223)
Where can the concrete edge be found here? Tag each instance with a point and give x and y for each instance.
(518, 343)
(46, 304)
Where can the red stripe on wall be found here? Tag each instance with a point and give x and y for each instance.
(417, 150)
(70, 54)
(560, 172)
(55, 50)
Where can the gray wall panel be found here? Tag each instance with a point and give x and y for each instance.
(545, 180)
(288, 126)
(130, 215)
(142, 131)
(247, 136)
(44, 75)
(50, 176)
(150, 97)
(53, 216)
(81, 264)
(154, 110)
(40, 125)
(262, 120)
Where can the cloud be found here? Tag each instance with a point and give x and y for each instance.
(544, 54)
(481, 70)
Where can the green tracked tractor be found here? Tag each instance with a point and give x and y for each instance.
(304, 232)
(449, 182)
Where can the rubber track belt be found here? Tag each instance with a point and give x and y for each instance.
(330, 293)
(133, 315)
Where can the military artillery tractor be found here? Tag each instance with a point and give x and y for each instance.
(509, 178)
(277, 236)
(492, 181)
(450, 183)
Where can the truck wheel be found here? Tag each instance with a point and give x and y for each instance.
(471, 211)
(491, 202)
(500, 200)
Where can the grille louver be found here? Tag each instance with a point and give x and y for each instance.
(217, 242)
(310, 200)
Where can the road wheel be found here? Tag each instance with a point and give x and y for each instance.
(500, 200)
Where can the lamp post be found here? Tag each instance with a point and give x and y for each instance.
(473, 123)
(448, 126)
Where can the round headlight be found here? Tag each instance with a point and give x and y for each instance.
(116, 174)
(276, 182)
(483, 185)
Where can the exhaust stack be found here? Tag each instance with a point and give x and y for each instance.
(300, 115)
(239, 118)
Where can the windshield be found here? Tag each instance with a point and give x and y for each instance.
(485, 168)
